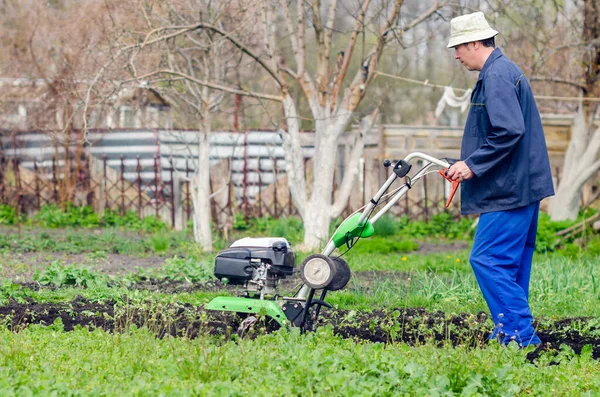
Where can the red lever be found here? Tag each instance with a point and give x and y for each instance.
(454, 186)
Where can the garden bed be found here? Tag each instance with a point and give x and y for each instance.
(414, 326)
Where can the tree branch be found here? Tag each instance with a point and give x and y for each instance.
(559, 81)
(290, 28)
(301, 40)
(215, 86)
(348, 54)
(329, 29)
(226, 35)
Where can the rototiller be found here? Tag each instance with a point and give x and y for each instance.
(260, 263)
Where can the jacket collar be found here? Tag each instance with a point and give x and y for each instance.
(493, 56)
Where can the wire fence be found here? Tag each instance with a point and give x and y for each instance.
(92, 182)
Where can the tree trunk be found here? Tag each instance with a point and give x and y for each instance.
(316, 225)
(318, 209)
(581, 156)
(580, 165)
(565, 205)
(201, 192)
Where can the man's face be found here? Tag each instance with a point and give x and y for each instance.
(465, 53)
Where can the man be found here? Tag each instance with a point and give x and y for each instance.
(505, 173)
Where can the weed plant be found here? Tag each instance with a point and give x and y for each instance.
(181, 269)
(8, 215)
(59, 275)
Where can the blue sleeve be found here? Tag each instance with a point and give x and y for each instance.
(507, 125)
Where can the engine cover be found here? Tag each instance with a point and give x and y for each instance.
(239, 262)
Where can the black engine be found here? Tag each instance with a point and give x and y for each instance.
(257, 263)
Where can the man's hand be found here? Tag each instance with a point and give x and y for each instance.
(459, 171)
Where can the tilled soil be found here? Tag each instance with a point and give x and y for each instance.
(409, 325)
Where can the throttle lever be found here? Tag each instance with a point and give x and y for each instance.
(455, 184)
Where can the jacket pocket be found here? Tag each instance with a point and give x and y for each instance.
(502, 186)
(475, 120)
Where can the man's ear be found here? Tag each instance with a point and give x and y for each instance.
(476, 45)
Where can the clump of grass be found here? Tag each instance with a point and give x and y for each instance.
(384, 246)
(160, 242)
(176, 268)
(59, 275)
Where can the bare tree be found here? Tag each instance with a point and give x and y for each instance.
(52, 49)
(581, 157)
(312, 68)
(188, 66)
(333, 101)
(203, 55)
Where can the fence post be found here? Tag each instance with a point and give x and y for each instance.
(18, 188)
(278, 213)
(54, 181)
(138, 170)
(156, 186)
(37, 185)
(122, 186)
(88, 183)
(187, 191)
(259, 197)
(230, 191)
(17, 183)
(176, 192)
(103, 187)
(172, 196)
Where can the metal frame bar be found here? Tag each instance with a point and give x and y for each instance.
(432, 161)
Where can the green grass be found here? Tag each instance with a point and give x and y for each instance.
(47, 361)
(406, 262)
(119, 294)
(109, 241)
(560, 287)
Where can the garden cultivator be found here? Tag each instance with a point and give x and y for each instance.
(260, 263)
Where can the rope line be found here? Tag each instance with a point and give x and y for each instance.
(426, 83)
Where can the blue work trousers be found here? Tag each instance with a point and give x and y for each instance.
(501, 259)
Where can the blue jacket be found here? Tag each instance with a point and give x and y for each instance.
(503, 143)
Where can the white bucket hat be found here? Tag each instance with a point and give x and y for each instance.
(468, 28)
